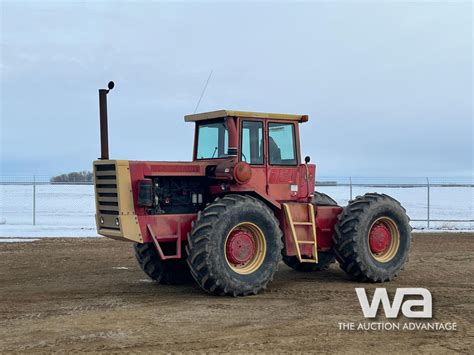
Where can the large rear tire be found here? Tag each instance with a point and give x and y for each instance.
(324, 259)
(372, 238)
(321, 199)
(234, 246)
(167, 272)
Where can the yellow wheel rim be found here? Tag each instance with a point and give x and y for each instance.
(384, 239)
(245, 248)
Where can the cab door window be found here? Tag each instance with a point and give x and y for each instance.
(251, 150)
(281, 144)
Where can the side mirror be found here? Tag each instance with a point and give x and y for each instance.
(307, 159)
(111, 85)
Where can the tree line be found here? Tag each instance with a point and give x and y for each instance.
(77, 176)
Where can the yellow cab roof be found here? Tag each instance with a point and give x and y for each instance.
(230, 113)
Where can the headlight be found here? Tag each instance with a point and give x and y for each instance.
(101, 220)
(117, 222)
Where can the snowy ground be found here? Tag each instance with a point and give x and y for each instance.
(446, 203)
(68, 210)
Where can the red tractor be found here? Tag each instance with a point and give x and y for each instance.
(244, 203)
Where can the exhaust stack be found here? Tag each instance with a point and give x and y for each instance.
(104, 133)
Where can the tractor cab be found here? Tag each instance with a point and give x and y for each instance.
(218, 132)
(263, 147)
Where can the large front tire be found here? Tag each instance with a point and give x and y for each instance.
(372, 238)
(234, 246)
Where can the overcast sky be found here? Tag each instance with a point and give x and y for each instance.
(387, 86)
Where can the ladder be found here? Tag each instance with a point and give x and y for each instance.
(312, 224)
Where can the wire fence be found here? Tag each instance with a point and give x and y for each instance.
(431, 203)
(36, 201)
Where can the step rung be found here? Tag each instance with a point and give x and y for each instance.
(302, 223)
(309, 261)
(305, 242)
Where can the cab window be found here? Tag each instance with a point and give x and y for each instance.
(252, 142)
(281, 144)
(213, 140)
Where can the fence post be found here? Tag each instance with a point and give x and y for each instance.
(34, 200)
(428, 202)
(350, 187)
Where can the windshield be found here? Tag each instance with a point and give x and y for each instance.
(213, 140)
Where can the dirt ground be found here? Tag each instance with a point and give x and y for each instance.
(69, 295)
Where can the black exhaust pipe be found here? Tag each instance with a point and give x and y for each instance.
(104, 132)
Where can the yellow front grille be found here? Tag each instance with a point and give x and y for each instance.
(107, 194)
(115, 217)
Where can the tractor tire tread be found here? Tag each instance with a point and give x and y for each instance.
(201, 247)
(347, 235)
(167, 272)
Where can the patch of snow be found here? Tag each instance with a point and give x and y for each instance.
(446, 203)
(442, 231)
(19, 230)
(17, 240)
(120, 268)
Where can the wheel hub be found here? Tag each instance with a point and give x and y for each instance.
(240, 247)
(380, 238)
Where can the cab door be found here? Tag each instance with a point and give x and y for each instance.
(283, 157)
(252, 151)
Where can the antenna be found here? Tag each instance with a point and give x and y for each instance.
(203, 91)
